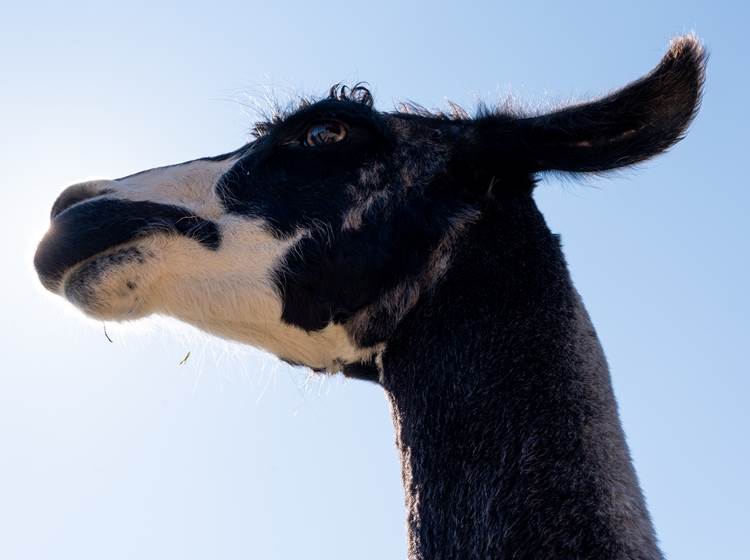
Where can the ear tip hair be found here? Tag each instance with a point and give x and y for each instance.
(688, 50)
(683, 70)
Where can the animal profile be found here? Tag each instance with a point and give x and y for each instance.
(405, 248)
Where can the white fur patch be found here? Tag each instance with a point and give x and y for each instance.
(228, 292)
(189, 185)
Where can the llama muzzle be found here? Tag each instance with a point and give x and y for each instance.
(84, 229)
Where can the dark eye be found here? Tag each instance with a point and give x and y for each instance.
(322, 133)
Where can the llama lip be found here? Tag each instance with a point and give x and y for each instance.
(79, 284)
(92, 227)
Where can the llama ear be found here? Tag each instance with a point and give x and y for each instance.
(628, 126)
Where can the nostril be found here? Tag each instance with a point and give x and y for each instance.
(78, 193)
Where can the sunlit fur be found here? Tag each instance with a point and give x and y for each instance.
(229, 292)
(408, 251)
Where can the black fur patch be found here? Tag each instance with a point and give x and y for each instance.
(508, 428)
(391, 168)
(89, 228)
(409, 174)
(366, 371)
(291, 185)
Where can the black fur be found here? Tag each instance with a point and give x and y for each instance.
(505, 417)
(419, 234)
(290, 185)
(508, 428)
(336, 272)
(91, 227)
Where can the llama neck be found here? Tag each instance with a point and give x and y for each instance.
(510, 441)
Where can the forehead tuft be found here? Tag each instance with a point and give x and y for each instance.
(357, 96)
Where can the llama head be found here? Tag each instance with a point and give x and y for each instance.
(316, 238)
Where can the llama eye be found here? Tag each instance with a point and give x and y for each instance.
(323, 133)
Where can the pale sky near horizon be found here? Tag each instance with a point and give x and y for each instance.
(115, 450)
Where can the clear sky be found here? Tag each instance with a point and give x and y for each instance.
(114, 450)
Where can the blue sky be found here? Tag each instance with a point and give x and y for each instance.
(114, 450)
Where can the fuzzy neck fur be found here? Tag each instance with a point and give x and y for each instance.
(510, 441)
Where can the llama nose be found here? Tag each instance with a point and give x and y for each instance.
(78, 193)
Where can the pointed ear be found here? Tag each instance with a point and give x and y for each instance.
(630, 125)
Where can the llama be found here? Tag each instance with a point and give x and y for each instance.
(405, 248)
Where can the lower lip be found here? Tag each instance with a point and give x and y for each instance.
(77, 281)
